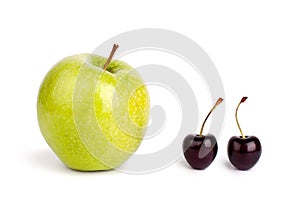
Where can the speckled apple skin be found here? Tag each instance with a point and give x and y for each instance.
(93, 120)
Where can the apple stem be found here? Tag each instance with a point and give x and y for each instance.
(110, 56)
(216, 104)
(236, 117)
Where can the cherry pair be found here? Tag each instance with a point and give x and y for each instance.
(200, 150)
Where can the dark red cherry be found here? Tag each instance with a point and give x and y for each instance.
(200, 151)
(244, 153)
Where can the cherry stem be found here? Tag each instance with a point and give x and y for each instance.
(216, 104)
(110, 56)
(236, 117)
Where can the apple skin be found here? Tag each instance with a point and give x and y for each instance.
(93, 120)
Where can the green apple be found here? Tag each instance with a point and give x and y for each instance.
(93, 112)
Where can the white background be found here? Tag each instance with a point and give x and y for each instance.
(254, 44)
